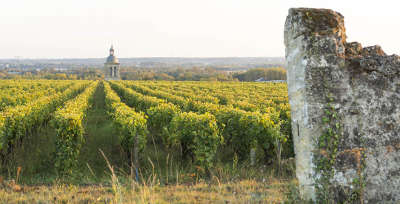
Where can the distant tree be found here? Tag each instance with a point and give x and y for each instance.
(72, 76)
(275, 73)
(61, 76)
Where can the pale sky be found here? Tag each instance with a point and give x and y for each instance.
(176, 28)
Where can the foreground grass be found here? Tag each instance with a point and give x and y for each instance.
(245, 191)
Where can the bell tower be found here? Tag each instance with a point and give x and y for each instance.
(111, 67)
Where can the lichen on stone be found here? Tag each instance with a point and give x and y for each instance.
(363, 86)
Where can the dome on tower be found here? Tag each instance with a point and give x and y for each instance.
(112, 59)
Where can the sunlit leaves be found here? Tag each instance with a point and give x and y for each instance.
(68, 122)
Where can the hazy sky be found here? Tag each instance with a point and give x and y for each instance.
(176, 28)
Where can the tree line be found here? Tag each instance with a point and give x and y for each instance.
(204, 74)
(166, 74)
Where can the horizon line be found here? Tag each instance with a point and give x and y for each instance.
(23, 58)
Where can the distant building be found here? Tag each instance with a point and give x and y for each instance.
(264, 80)
(14, 72)
(111, 67)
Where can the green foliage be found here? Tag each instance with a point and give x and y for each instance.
(19, 92)
(198, 135)
(198, 117)
(134, 99)
(132, 124)
(51, 74)
(160, 117)
(326, 158)
(68, 122)
(176, 74)
(243, 127)
(17, 121)
(177, 100)
(245, 130)
(277, 73)
(328, 144)
(286, 129)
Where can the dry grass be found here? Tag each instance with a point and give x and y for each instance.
(245, 191)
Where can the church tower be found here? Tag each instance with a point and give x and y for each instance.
(111, 67)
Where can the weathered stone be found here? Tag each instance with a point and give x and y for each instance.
(363, 86)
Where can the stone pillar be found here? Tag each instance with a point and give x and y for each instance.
(314, 41)
(354, 91)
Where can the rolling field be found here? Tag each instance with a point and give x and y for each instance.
(144, 142)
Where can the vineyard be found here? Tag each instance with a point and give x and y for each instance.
(176, 130)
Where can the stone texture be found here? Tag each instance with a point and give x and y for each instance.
(364, 84)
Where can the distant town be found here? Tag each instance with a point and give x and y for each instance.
(151, 68)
